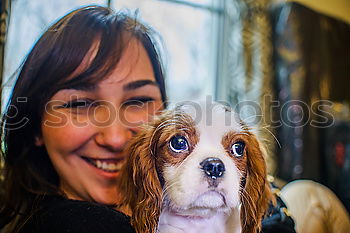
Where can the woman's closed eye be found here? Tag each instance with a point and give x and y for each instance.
(79, 106)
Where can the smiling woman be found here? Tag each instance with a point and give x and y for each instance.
(87, 149)
(88, 83)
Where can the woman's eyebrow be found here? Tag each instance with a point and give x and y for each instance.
(83, 87)
(137, 84)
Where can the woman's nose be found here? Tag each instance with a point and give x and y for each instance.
(113, 136)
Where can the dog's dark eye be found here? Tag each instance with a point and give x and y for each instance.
(178, 144)
(237, 149)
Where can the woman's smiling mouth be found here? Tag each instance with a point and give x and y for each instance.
(107, 165)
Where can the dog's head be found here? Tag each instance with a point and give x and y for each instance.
(195, 161)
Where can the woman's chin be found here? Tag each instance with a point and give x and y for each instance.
(110, 198)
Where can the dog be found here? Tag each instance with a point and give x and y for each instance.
(197, 168)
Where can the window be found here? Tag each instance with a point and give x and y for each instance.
(189, 32)
(28, 20)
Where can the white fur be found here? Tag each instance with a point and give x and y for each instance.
(190, 204)
(171, 223)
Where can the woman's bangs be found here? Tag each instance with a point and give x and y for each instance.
(111, 45)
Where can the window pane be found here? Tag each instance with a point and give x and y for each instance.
(197, 2)
(189, 35)
(29, 19)
(190, 40)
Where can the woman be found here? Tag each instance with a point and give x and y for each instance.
(84, 88)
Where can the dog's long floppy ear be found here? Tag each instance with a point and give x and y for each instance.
(139, 184)
(256, 194)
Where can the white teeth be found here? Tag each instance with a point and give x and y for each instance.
(112, 166)
(104, 165)
(107, 166)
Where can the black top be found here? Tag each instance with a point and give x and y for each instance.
(60, 215)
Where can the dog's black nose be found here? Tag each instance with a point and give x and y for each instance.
(213, 167)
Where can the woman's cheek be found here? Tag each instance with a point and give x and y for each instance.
(67, 129)
(134, 116)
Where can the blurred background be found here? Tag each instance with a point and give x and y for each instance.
(283, 65)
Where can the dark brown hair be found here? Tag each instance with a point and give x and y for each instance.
(28, 173)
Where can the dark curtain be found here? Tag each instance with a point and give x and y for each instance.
(312, 74)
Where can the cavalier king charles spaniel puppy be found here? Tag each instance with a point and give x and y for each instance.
(197, 168)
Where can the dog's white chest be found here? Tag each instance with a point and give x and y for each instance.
(220, 223)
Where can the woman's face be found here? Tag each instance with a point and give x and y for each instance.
(85, 129)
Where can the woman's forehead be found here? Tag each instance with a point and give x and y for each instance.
(134, 65)
(134, 69)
